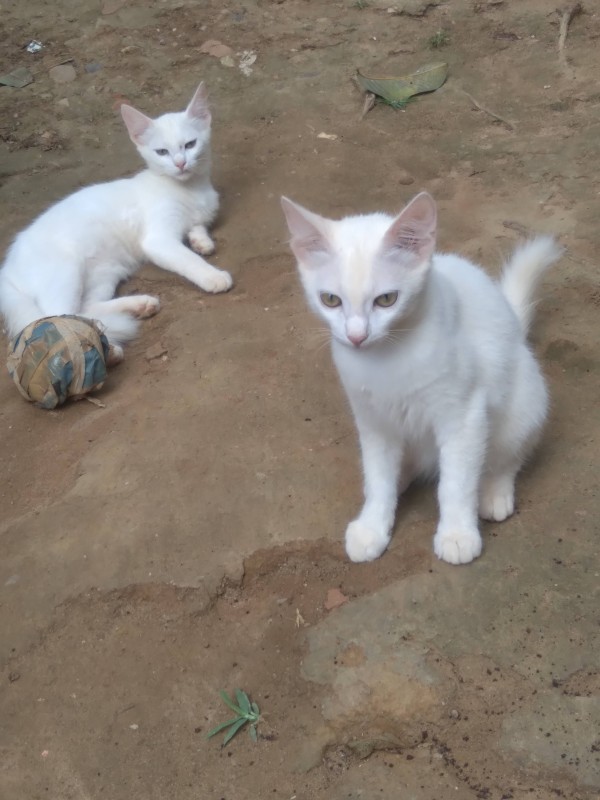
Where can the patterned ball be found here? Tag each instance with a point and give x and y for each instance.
(55, 358)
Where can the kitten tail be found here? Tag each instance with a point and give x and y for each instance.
(523, 273)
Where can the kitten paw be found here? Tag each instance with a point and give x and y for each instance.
(145, 306)
(217, 281)
(457, 546)
(201, 243)
(364, 543)
(497, 505)
(115, 355)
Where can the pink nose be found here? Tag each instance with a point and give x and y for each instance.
(357, 338)
(180, 163)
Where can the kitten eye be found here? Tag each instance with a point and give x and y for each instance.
(386, 300)
(330, 300)
(189, 145)
(162, 151)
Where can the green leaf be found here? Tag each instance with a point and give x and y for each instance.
(234, 729)
(221, 726)
(252, 733)
(243, 701)
(228, 701)
(397, 90)
(255, 710)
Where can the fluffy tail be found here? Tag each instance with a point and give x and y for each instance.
(17, 308)
(523, 273)
(119, 328)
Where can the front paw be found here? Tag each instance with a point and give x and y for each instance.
(144, 306)
(201, 243)
(457, 546)
(364, 543)
(497, 503)
(115, 355)
(217, 281)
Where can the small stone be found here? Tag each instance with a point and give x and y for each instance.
(454, 714)
(405, 178)
(93, 67)
(227, 61)
(157, 350)
(64, 73)
(14, 676)
(64, 103)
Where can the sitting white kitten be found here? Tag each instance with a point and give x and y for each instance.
(433, 356)
(71, 258)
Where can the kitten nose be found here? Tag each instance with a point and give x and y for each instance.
(179, 162)
(357, 338)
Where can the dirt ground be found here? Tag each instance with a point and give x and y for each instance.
(185, 537)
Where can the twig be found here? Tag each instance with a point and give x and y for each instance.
(509, 125)
(94, 401)
(566, 18)
(516, 226)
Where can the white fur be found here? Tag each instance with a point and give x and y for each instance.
(71, 258)
(442, 382)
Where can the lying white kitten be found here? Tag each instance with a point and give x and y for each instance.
(71, 259)
(433, 356)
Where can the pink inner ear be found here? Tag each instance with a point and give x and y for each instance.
(136, 122)
(198, 107)
(309, 239)
(414, 228)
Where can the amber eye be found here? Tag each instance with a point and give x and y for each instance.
(162, 151)
(189, 145)
(330, 300)
(386, 300)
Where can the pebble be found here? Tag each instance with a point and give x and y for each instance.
(404, 178)
(64, 73)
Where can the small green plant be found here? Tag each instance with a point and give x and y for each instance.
(247, 713)
(439, 39)
(360, 4)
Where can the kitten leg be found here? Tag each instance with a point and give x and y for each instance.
(140, 306)
(516, 434)
(369, 535)
(174, 256)
(200, 241)
(462, 450)
(497, 495)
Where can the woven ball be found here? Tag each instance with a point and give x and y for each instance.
(55, 358)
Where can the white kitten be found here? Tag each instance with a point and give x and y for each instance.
(433, 356)
(71, 259)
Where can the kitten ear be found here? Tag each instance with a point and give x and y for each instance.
(414, 229)
(198, 107)
(309, 238)
(136, 122)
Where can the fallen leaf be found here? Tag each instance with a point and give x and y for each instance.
(214, 48)
(335, 598)
(18, 78)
